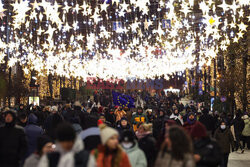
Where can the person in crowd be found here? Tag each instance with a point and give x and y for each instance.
(110, 116)
(44, 145)
(139, 117)
(150, 115)
(109, 153)
(190, 123)
(119, 113)
(123, 125)
(135, 154)
(176, 151)
(206, 151)
(158, 123)
(13, 143)
(91, 135)
(177, 117)
(22, 119)
(32, 132)
(69, 151)
(238, 125)
(51, 123)
(207, 120)
(147, 142)
(246, 131)
(103, 119)
(224, 137)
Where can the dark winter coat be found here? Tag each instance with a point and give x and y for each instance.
(158, 126)
(224, 139)
(148, 145)
(32, 132)
(239, 125)
(208, 121)
(209, 151)
(13, 146)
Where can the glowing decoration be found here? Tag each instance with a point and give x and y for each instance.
(119, 39)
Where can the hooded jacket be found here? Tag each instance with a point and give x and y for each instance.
(225, 139)
(136, 156)
(13, 144)
(33, 132)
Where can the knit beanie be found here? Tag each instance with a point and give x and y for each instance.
(127, 136)
(198, 131)
(106, 133)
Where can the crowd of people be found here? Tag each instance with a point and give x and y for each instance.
(162, 133)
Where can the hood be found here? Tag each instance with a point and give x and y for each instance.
(11, 124)
(32, 119)
(135, 147)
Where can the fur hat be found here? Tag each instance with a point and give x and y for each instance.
(106, 133)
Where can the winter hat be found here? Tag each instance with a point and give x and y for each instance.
(127, 136)
(106, 133)
(65, 132)
(41, 142)
(199, 131)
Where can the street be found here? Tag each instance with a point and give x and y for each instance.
(239, 160)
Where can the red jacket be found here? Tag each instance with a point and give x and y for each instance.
(105, 161)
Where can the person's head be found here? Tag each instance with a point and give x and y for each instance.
(191, 116)
(178, 142)
(54, 109)
(10, 118)
(109, 137)
(23, 118)
(44, 145)
(127, 139)
(161, 112)
(124, 122)
(65, 135)
(149, 111)
(176, 112)
(223, 125)
(139, 110)
(102, 118)
(198, 131)
(143, 128)
(21, 106)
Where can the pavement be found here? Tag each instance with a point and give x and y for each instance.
(236, 159)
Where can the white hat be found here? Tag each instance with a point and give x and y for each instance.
(106, 133)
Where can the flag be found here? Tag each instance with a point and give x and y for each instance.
(123, 100)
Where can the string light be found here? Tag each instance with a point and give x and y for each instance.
(129, 43)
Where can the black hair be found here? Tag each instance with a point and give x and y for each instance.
(65, 132)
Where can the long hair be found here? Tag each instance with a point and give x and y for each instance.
(116, 156)
(180, 141)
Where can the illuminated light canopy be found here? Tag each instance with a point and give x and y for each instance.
(117, 39)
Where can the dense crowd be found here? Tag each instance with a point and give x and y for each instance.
(163, 132)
